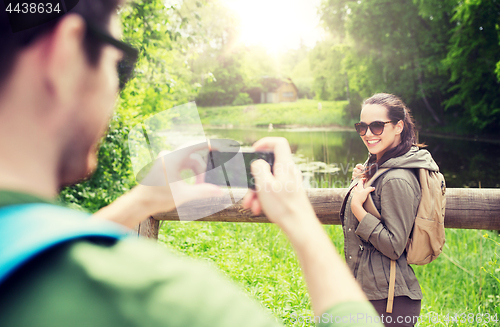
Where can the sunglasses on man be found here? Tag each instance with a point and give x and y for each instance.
(377, 127)
(126, 66)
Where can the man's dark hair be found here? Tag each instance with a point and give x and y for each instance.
(97, 12)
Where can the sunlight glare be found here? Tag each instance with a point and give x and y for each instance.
(277, 24)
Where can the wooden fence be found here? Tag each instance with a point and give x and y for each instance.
(465, 208)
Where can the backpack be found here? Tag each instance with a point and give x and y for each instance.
(27, 230)
(427, 236)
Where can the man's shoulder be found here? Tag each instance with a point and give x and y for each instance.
(131, 260)
(130, 282)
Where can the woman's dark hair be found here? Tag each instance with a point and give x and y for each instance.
(98, 12)
(396, 111)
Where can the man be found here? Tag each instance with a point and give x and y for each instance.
(58, 84)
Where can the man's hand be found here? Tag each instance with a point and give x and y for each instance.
(281, 197)
(157, 195)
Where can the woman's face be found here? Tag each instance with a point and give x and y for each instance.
(390, 137)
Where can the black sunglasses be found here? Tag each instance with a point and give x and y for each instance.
(126, 66)
(377, 127)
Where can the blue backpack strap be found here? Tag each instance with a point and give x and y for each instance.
(29, 229)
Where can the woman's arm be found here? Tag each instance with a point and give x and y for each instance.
(398, 209)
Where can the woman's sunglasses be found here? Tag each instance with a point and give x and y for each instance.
(126, 65)
(377, 127)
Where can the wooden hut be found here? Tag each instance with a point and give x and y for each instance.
(285, 92)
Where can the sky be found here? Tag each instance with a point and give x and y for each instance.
(278, 25)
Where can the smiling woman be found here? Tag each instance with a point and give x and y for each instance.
(374, 246)
(393, 131)
(377, 137)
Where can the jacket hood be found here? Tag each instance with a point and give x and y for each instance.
(414, 158)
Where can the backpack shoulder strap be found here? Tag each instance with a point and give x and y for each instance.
(29, 229)
(369, 206)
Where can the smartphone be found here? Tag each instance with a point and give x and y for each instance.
(233, 168)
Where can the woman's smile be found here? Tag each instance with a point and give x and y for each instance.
(372, 143)
(386, 137)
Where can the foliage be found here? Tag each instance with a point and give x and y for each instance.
(269, 84)
(493, 267)
(302, 112)
(228, 83)
(473, 55)
(326, 58)
(260, 259)
(436, 55)
(224, 67)
(217, 63)
(417, 49)
(295, 64)
(242, 99)
(304, 87)
(113, 176)
(160, 83)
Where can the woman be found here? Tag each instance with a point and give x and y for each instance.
(388, 132)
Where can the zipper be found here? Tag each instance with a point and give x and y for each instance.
(358, 259)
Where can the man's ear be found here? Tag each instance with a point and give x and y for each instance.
(64, 59)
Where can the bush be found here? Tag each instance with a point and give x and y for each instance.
(113, 176)
(242, 99)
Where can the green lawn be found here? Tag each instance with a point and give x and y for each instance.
(260, 259)
(463, 281)
(302, 112)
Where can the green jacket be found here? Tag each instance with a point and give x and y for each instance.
(370, 245)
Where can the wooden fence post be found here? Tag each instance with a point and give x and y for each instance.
(465, 208)
(148, 228)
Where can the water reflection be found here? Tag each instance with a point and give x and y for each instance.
(466, 163)
(327, 158)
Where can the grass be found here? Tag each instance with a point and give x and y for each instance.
(463, 282)
(260, 259)
(303, 112)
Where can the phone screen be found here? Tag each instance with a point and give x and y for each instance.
(233, 171)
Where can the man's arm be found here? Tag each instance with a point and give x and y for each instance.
(137, 205)
(331, 286)
(143, 201)
(281, 197)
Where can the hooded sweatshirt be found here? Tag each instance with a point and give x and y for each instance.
(371, 244)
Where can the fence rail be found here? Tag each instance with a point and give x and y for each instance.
(465, 208)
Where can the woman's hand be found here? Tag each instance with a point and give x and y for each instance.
(360, 194)
(357, 171)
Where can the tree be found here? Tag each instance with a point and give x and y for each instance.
(435, 54)
(326, 65)
(473, 57)
(159, 84)
(227, 84)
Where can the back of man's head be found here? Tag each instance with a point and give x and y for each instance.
(58, 87)
(97, 12)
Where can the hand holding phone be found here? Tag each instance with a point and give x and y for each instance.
(232, 171)
(279, 192)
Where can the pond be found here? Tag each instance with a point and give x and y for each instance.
(326, 157)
